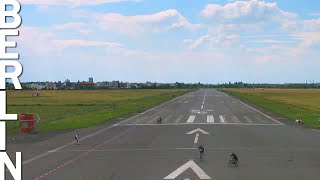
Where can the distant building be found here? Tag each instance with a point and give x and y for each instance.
(91, 79)
(84, 85)
(37, 86)
(51, 85)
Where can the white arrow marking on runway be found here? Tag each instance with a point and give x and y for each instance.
(190, 164)
(198, 130)
(196, 138)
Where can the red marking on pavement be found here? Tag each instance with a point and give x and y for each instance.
(82, 155)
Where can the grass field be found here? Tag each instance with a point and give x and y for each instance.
(61, 110)
(290, 103)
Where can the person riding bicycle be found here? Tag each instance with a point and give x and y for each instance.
(160, 120)
(234, 157)
(201, 149)
(76, 137)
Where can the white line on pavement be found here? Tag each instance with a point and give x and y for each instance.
(248, 119)
(96, 133)
(196, 138)
(193, 148)
(259, 111)
(236, 119)
(222, 120)
(202, 107)
(193, 166)
(191, 118)
(122, 122)
(64, 146)
(261, 120)
(179, 119)
(179, 124)
(210, 119)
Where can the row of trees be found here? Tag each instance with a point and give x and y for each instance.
(178, 85)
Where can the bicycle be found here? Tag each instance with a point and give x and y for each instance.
(201, 155)
(159, 120)
(201, 151)
(233, 162)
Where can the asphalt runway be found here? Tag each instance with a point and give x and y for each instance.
(140, 149)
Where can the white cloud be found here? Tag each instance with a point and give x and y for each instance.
(315, 14)
(133, 25)
(308, 39)
(200, 41)
(187, 41)
(215, 40)
(71, 2)
(231, 27)
(312, 25)
(62, 44)
(272, 41)
(38, 42)
(70, 25)
(252, 11)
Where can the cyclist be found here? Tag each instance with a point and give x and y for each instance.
(201, 150)
(234, 158)
(76, 137)
(159, 120)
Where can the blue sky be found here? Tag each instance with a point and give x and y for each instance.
(208, 41)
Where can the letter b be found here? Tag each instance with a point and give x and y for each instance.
(14, 13)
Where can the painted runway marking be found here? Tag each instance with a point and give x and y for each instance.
(210, 119)
(247, 119)
(190, 164)
(236, 119)
(259, 112)
(222, 120)
(195, 111)
(196, 138)
(179, 119)
(125, 121)
(261, 120)
(198, 130)
(64, 146)
(181, 124)
(191, 118)
(83, 154)
(193, 148)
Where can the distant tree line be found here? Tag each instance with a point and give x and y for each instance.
(280, 86)
(178, 85)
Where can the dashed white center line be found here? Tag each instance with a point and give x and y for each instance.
(204, 99)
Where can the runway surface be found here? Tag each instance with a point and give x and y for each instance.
(138, 148)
